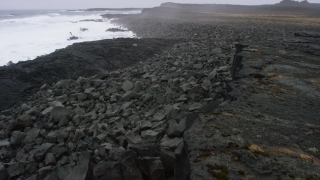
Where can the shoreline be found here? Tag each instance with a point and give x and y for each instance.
(217, 96)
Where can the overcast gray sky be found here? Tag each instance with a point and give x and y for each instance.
(83, 4)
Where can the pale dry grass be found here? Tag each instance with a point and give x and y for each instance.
(260, 19)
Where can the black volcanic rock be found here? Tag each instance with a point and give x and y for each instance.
(80, 59)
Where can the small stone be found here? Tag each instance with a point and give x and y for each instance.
(79, 133)
(42, 151)
(32, 135)
(47, 111)
(223, 69)
(212, 74)
(43, 172)
(145, 125)
(81, 97)
(127, 86)
(216, 51)
(15, 169)
(34, 177)
(194, 106)
(158, 117)
(63, 122)
(220, 90)
(59, 151)
(58, 113)
(172, 130)
(128, 96)
(132, 138)
(31, 168)
(17, 137)
(198, 66)
(126, 105)
(55, 104)
(171, 143)
(63, 84)
(3, 172)
(64, 160)
(50, 159)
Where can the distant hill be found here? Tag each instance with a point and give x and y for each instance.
(280, 8)
(114, 9)
(291, 3)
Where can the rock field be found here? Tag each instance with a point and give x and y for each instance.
(235, 98)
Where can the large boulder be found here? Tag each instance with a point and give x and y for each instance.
(83, 170)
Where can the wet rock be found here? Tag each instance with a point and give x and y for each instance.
(83, 170)
(84, 29)
(116, 30)
(73, 38)
(17, 137)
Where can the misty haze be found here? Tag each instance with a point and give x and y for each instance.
(155, 90)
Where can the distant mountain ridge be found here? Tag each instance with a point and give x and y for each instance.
(291, 3)
(283, 3)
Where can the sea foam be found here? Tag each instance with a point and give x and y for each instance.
(26, 38)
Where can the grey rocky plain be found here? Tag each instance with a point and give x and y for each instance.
(129, 123)
(235, 100)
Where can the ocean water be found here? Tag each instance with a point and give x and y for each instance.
(26, 34)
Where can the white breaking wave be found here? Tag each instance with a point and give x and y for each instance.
(53, 14)
(26, 38)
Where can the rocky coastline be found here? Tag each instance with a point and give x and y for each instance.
(198, 96)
